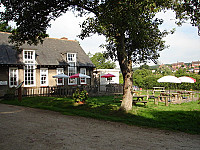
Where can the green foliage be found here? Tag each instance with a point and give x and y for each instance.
(139, 77)
(4, 27)
(145, 66)
(150, 81)
(164, 70)
(80, 96)
(121, 81)
(10, 94)
(188, 9)
(181, 72)
(177, 117)
(145, 79)
(101, 62)
(142, 72)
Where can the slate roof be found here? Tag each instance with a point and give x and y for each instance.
(51, 52)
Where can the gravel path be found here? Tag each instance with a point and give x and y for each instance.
(34, 129)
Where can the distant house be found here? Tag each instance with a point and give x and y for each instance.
(195, 66)
(113, 80)
(35, 65)
(176, 66)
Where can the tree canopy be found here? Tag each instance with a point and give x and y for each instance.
(100, 61)
(130, 26)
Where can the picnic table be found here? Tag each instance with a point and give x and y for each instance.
(139, 99)
(186, 94)
(158, 89)
(176, 96)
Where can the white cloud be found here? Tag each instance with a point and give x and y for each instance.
(65, 26)
(184, 46)
(69, 26)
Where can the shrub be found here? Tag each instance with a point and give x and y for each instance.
(10, 94)
(80, 96)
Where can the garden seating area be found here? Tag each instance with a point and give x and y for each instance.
(159, 94)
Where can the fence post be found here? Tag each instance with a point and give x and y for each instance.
(166, 101)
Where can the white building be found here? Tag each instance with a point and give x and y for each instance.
(105, 81)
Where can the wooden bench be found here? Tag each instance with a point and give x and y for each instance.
(134, 102)
(158, 89)
(166, 99)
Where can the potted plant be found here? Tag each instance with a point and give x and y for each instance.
(80, 97)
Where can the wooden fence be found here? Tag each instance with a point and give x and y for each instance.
(63, 91)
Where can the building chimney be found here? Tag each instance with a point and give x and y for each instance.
(64, 38)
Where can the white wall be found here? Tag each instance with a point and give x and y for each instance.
(115, 80)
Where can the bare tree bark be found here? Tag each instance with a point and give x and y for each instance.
(125, 63)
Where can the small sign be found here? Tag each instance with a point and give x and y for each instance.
(3, 82)
(19, 85)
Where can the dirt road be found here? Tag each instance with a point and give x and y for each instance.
(33, 129)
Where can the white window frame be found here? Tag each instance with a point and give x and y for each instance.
(28, 77)
(27, 60)
(60, 71)
(41, 75)
(72, 81)
(71, 59)
(29, 63)
(11, 76)
(83, 80)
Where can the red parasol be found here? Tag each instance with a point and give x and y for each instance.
(107, 75)
(187, 79)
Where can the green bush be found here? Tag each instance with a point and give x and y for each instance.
(10, 94)
(80, 96)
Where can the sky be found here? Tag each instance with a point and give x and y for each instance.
(184, 43)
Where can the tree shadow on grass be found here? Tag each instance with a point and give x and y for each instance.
(184, 121)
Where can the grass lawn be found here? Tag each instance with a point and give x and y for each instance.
(177, 117)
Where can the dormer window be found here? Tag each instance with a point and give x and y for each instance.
(29, 56)
(71, 57)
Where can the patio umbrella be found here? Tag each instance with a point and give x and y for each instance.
(108, 76)
(79, 75)
(187, 79)
(169, 79)
(61, 76)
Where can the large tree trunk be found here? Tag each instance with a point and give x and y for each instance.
(125, 63)
(126, 104)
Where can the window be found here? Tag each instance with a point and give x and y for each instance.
(29, 68)
(72, 71)
(60, 81)
(83, 71)
(71, 58)
(29, 56)
(44, 76)
(29, 75)
(13, 77)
